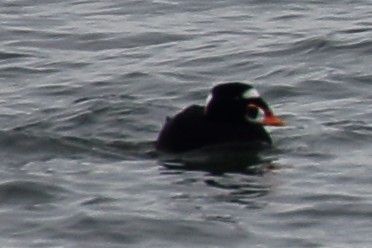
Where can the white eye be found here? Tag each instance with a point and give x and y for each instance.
(260, 116)
(251, 93)
(257, 117)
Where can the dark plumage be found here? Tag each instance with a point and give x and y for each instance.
(229, 117)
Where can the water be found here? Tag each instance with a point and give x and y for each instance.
(86, 86)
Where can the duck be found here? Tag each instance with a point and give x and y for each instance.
(231, 115)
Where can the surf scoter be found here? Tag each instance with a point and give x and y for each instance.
(230, 116)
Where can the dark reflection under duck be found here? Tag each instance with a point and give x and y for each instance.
(240, 177)
(222, 159)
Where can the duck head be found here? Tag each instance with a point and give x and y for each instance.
(239, 102)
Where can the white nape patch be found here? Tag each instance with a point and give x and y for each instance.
(251, 93)
(209, 99)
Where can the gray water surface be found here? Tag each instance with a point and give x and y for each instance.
(86, 86)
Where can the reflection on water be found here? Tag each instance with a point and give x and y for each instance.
(235, 173)
(246, 191)
(220, 160)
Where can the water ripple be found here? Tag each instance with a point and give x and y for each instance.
(18, 192)
(87, 84)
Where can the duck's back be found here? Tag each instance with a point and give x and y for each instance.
(191, 129)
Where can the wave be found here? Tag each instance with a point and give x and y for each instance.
(42, 146)
(26, 192)
(124, 229)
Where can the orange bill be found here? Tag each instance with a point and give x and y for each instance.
(271, 120)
